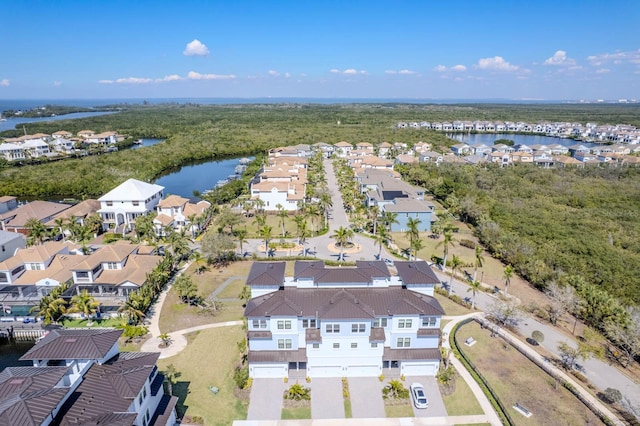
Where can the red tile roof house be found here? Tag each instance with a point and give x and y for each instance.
(343, 322)
(80, 377)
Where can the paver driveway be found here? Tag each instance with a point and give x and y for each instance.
(436, 405)
(366, 397)
(326, 398)
(266, 399)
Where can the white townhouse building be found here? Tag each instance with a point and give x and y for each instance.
(120, 207)
(12, 151)
(343, 322)
(179, 213)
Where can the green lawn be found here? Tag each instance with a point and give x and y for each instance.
(347, 409)
(209, 360)
(461, 402)
(450, 307)
(296, 413)
(402, 410)
(232, 290)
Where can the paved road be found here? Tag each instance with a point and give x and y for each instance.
(326, 398)
(600, 373)
(436, 404)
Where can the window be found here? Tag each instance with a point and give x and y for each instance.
(404, 323)
(429, 321)
(308, 323)
(284, 343)
(284, 325)
(404, 342)
(336, 346)
(135, 203)
(111, 265)
(374, 345)
(259, 323)
(109, 203)
(332, 328)
(3, 278)
(354, 345)
(357, 328)
(82, 274)
(380, 322)
(316, 346)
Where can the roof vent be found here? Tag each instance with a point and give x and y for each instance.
(356, 301)
(17, 381)
(70, 340)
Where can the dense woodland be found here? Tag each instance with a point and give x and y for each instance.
(549, 224)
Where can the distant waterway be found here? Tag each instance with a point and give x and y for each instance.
(490, 138)
(13, 123)
(200, 177)
(10, 353)
(146, 142)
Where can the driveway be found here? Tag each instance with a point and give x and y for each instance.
(326, 398)
(436, 405)
(266, 399)
(366, 398)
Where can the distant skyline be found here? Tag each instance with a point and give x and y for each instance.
(543, 50)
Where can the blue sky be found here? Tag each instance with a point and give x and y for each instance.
(541, 49)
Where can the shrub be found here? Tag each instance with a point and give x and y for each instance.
(579, 376)
(395, 390)
(297, 392)
(241, 376)
(131, 331)
(381, 377)
(249, 383)
(537, 336)
(611, 395)
(445, 375)
(468, 244)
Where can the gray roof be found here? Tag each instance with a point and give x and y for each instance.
(266, 273)
(411, 354)
(6, 236)
(61, 344)
(408, 205)
(417, 272)
(364, 272)
(109, 389)
(28, 394)
(341, 303)
(299, 355)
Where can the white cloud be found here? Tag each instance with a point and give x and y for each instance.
(496, 63)
(196, 48)
(618, 57)
(129, 80)
(57, 83)
(197, 76)
(172, 77)
(440, 68)
(287, 75)
(390, 72)
(603, 71)
(401, 72)
(4, 82)
(458, 68)
(349, 71)
(273, 73)
(105, 81)
(559, 58)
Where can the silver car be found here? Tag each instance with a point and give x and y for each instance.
(419, 397)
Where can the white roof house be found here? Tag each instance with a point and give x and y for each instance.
(122, 205)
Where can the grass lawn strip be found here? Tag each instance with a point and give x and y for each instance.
(232, 290)
(402, 410)
(515, 379)
(462, 402)
(209, 360)
(296, 413)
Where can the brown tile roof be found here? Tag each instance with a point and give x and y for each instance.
(82, 209)
(364, 272)
(61, 344)
(402, 205)
(426, 332)
(266, 273)
(28, 394)
(410, 354)
(377, 335)
(313, 335)
(299, 355)
(40, 210)
(256, 335)
(134, 271)
(163, 412)
(108, 389)
(341, 303)
(173, 201)
(6, 198)
(417, 272)
(163, 219)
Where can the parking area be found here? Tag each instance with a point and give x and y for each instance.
(326, 398)
(266, 399)
(366, 398)
(436, 405)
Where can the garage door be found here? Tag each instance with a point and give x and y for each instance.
(419, 369)
(326, 371)
(363, 371)
(265, 372)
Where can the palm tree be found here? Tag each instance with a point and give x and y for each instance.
(265, 234)
(85, 304)
(325, 204)
(282, 214)
(381, 237)
(37, 230)
(456, 263)
(245, 294)
(374, 212)
(413, 233)
(479, 261)
(241, 236)
(166, 339)
(51, 308)
(313, 211)
(474, 287)
(60, 224)
(508, 273)
(389, 218)
(342, 235)
(179, 244)
(171, 374)
(134, 307)
(448, 242)
(261, 218)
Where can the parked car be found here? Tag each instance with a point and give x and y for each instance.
(419, 397)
